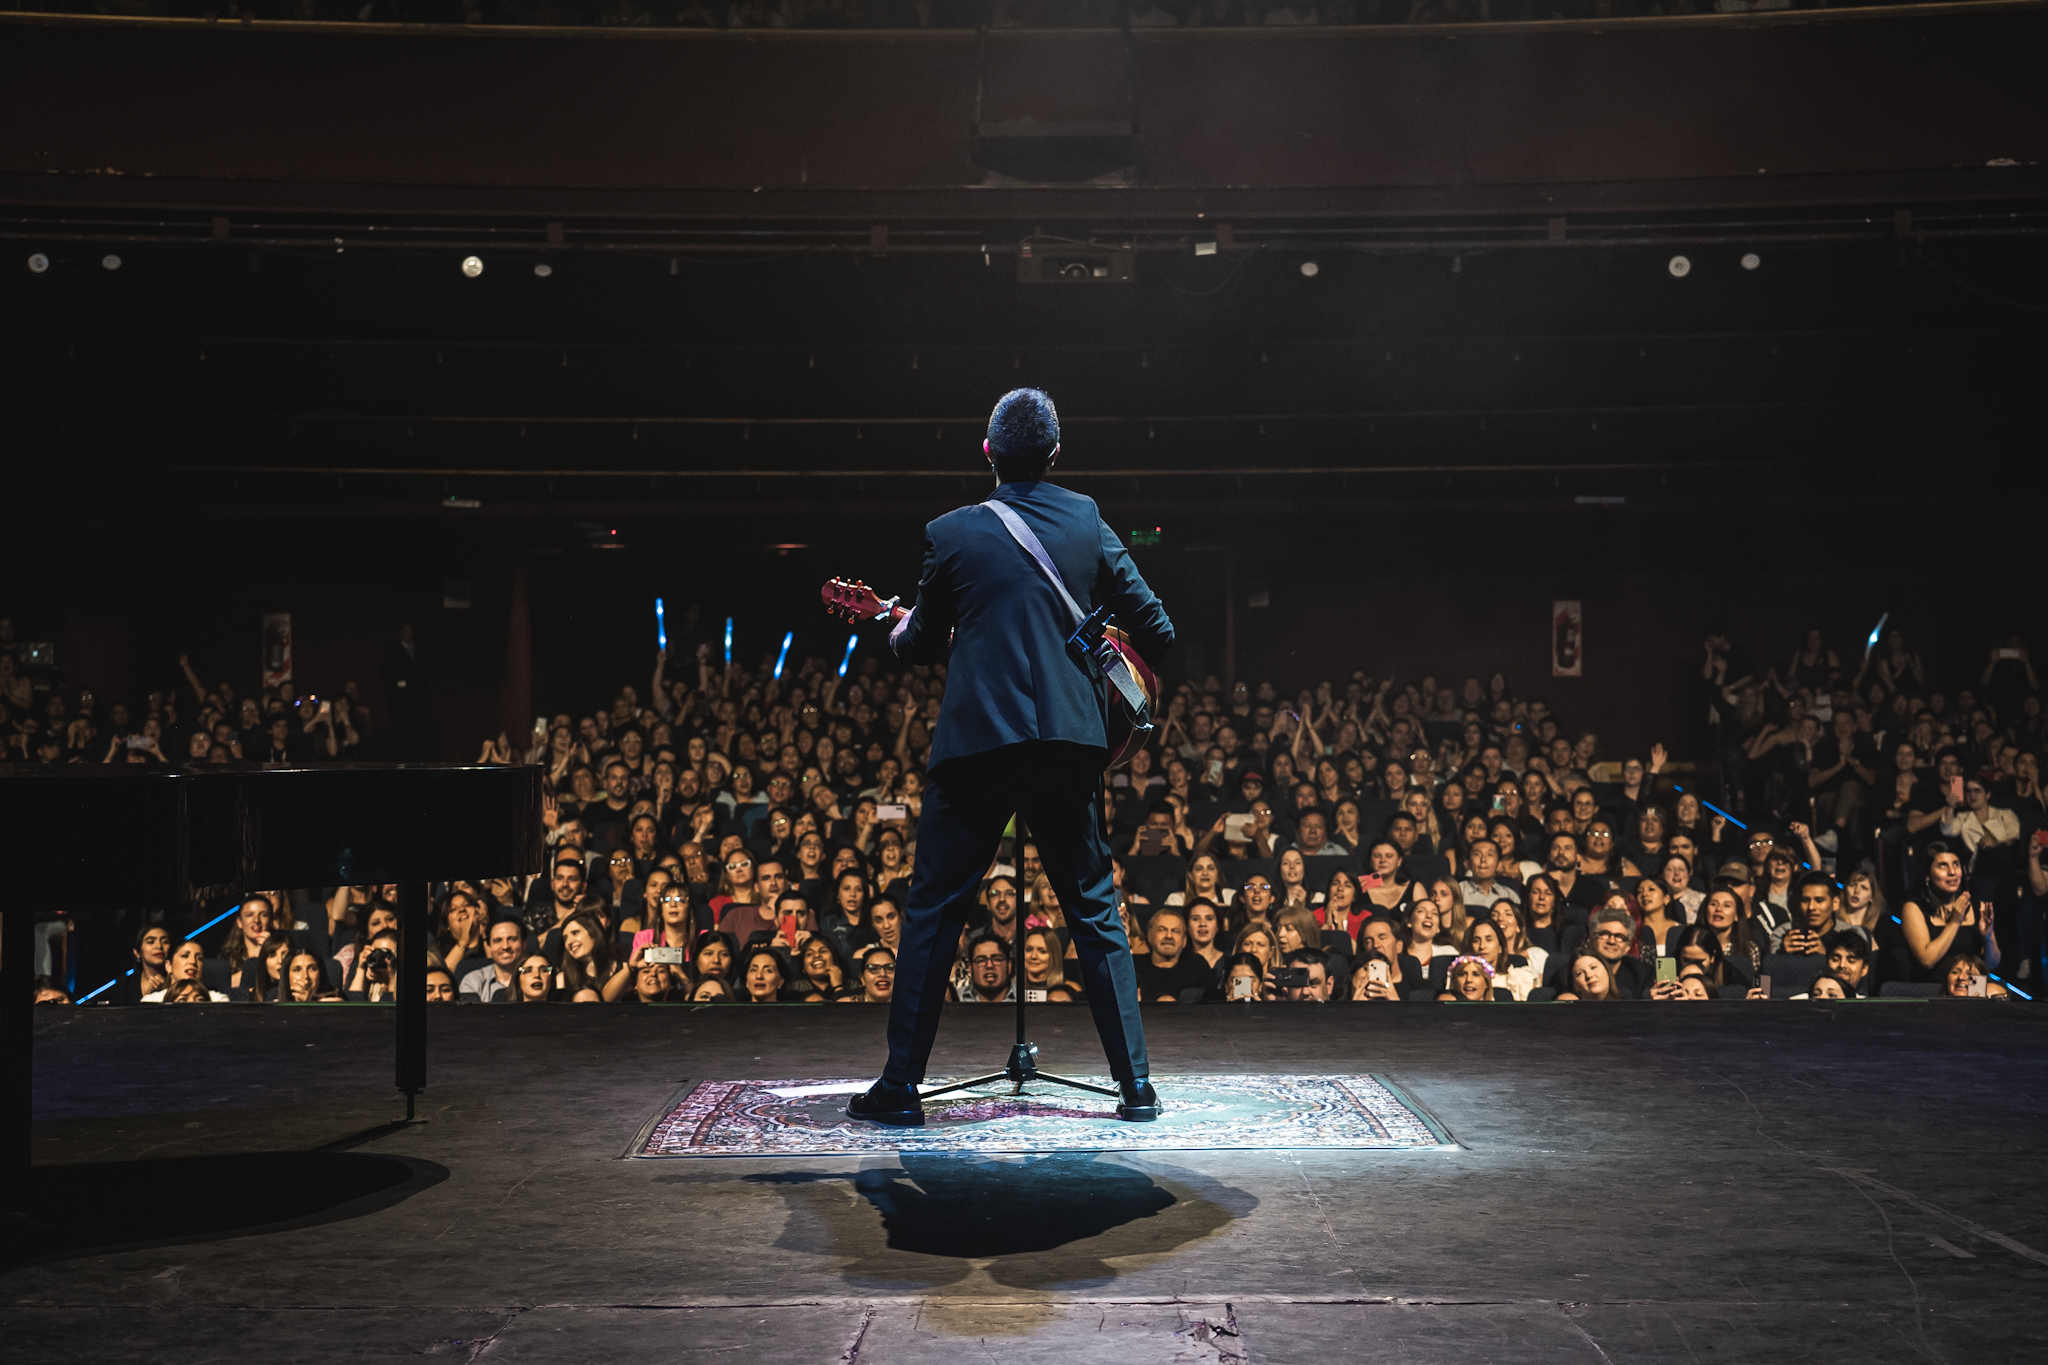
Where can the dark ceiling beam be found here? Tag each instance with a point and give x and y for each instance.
(514, 216)
(1868, 106)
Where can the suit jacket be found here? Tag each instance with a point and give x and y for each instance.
(1009, 677)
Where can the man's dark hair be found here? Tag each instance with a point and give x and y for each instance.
(977, 937)
(1849, 940)
(1305, 957)
(1820, 879)
(1023, 431)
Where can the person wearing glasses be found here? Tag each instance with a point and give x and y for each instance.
(735, 882)
(1611, 938)
(672, 927)
(877, 978)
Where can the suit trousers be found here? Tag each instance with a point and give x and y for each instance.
(1055, 786)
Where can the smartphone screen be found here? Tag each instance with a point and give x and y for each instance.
(1955, 791)
(1764, 984)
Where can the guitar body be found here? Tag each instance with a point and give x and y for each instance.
(856, 601)
(1124, 740)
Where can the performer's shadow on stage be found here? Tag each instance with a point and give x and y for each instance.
(1043, 1221)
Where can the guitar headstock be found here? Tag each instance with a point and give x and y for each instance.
(854, 601)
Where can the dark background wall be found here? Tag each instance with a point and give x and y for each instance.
(812, 113)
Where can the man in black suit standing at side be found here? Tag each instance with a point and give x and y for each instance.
(1020, 732)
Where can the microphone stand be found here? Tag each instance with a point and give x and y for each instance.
(1023, 1064)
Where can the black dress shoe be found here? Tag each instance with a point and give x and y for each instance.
(1140, 1101)
(886, 1103)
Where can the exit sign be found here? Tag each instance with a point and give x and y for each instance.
(1140, 539)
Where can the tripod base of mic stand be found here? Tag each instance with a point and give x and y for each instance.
(1023, 1067)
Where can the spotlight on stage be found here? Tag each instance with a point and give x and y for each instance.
(1680, 267)
(543, 269)
(472, 266)
(38, 264)
(1310, 269)
(110, 262)
(1750, 260)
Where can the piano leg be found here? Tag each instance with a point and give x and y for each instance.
(414, 933)
(17, 1023)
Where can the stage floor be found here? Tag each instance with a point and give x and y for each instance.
(1631, 1183)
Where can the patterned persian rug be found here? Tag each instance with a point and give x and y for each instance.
(807, 1118)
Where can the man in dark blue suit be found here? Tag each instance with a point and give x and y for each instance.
(1020, 732)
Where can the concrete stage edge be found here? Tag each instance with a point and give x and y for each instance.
(1711, 1182)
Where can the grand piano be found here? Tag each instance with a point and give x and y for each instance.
(90, 839)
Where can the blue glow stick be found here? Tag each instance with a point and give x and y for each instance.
(194, 934)
(221, 916)
(1876, 633)
(2009, 986)
(847, 661)
(728, 642)
(660, 625)
(83, 998)
(783, 657)
(1714, 808)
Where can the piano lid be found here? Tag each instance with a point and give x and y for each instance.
(114, 836)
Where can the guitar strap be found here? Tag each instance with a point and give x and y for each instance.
(1108, 657)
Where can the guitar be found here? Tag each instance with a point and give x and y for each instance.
(856, 601)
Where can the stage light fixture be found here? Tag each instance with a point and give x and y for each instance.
(38, 263)
(1750, 260)
(1310, 269)
(472, 266)
(110, 262)
(1680, 267)
(543, 269)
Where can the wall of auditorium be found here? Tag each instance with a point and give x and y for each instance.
(809, 114)
(121, 608)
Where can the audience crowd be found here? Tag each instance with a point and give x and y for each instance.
(730, 837)
(907, 14)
